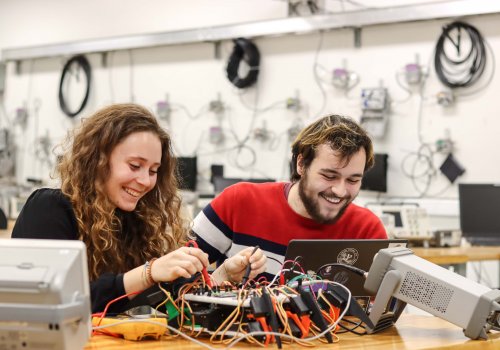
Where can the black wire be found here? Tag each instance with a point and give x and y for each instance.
(352, 329)
(344, 266)
(460, 72)
(270, 257)
(83, 63)
(243, 49)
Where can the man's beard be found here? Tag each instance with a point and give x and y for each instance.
(311, 204)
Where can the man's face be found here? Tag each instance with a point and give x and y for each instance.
(329, 184)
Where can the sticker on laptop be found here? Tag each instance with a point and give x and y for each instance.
(348, 256)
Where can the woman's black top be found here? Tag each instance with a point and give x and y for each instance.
(48, 214)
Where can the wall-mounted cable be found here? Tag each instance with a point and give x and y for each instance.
(245, 50)
(81, 63)
(463, 65)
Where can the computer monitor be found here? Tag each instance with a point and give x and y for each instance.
(44, 294)
(187, 171)
(480, 213)
(375, 179)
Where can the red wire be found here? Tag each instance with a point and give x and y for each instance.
(206, 276)
(102, 314)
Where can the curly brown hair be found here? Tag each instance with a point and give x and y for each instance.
(156, 225)
(343, 135)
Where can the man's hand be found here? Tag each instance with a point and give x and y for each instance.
(234, 267)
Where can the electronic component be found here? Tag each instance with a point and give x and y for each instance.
(375, 179)
(138, 330)
(211, 309)
(413, 73)
(375, 110)
(7, 153)
(216, 106)
(447, 238)
(445, 98)
(216, 135)
(444, 145)
(340, 78)
(44, 294)
(262, 134)
(163, 110)
(451, 168)
(3, 67)
(410, 221)
(316, 316)
(479, 219)
(398, 273)
(293, 103)
(21, 117)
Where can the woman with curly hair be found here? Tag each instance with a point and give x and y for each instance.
(119, 196)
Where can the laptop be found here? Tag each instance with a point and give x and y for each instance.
(313, 254)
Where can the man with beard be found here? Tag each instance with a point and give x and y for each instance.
(329, 158)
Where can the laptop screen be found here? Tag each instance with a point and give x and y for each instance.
(313, 254)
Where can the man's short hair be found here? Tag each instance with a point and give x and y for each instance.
(342, 134)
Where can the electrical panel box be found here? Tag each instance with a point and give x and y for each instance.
(375, 111)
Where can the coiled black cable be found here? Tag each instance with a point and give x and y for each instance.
(246, 50)
(464, 70)
(321, 271)
(84, 64)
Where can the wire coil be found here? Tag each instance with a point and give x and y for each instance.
(84, 64)
(465, 68)
(245, 50)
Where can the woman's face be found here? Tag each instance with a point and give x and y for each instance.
(133, 164)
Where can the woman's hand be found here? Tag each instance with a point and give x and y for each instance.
(235, 266)
(183, 262)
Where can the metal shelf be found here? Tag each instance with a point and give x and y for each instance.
(354, 19)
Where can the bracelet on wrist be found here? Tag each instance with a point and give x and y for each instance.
(149, 275)
(144, 275)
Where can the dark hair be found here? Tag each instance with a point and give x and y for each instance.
(156, 224)
(342, 134)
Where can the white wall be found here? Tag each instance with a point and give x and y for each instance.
(192, 76)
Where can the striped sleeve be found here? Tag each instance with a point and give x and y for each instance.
(213, 236)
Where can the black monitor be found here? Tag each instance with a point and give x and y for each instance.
(480, 213)
(186, 173)
(375, 179)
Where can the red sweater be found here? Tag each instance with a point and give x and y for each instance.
(248, 214)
